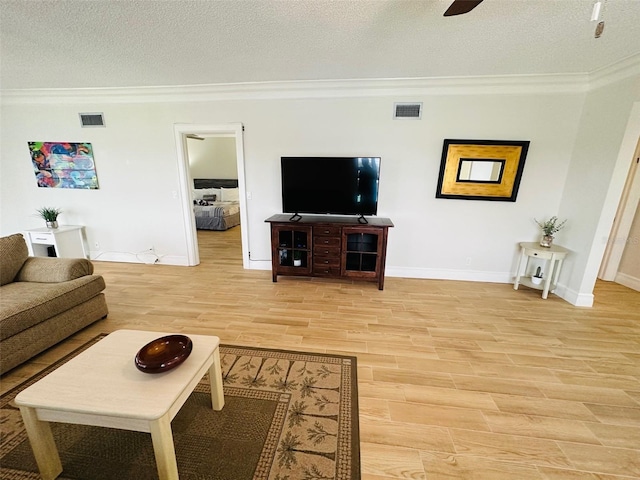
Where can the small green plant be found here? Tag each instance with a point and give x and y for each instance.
(49, 214)
(551, 226)
(538, 273)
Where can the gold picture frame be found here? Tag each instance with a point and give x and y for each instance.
(481, 169)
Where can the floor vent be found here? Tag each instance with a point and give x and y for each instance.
(410, 111)
(92, 120)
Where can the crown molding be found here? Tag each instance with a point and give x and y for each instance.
(384, 87)
(615, 72)
(484, 85)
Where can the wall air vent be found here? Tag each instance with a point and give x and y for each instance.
(407, 111)
(92, 120)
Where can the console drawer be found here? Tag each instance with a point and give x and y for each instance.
(326, 262)
(45, 238)
(325, 271)
(326, 251)
(327, 231)
(538, 254)
(326, 242)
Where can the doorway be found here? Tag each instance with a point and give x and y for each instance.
(182, 131)
(623, 241)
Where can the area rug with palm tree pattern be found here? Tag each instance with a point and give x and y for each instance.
(287, 416)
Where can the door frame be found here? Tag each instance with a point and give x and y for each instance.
(181, 130)
(622, 222)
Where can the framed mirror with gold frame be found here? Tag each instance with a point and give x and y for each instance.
(481, 169)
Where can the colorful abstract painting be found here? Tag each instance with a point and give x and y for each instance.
(63, 165)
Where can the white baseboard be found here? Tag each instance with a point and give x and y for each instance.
(259, 264)
(149, 259)
(574, 298)
(446, 274)
(628, 281)
(433, 274)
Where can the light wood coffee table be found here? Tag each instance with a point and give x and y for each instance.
(102, 387)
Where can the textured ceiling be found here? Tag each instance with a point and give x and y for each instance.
(109, 43)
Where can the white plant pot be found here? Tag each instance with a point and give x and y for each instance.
(297, 262)
(536, 280)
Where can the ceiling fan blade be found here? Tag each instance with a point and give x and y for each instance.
(458, 7)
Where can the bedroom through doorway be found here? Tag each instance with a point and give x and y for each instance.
(211, 168)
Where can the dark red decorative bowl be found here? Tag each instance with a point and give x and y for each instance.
(163, 353)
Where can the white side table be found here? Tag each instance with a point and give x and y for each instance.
(553, 256)
(66, 241)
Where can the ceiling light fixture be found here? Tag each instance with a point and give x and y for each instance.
(595, 14)
(598, 9)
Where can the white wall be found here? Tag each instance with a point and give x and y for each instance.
(137, 170)
(433, 238)
(596, 178)
(213, 157)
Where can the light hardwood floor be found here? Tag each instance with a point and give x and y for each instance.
(457, 380)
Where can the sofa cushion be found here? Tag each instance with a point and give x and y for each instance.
(51, 270)
(25, 304)
(21, 347)
(13, 253)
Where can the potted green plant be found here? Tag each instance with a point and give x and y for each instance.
(297, 258)
(549, 228)
(536, 279)
(50, 216)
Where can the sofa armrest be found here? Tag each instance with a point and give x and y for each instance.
(53, 270)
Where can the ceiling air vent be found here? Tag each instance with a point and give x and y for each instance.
(91, 119)
(407, 111)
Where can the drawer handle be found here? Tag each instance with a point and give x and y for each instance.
(326, 241)
(326, 261)
(42, 238)
(326, 231)
(326, 251)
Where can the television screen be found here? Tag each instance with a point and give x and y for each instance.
(330, 185)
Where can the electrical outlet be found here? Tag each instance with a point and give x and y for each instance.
(97, 245)
(468, 261)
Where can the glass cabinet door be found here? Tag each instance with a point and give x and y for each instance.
(294, 248)
(361, 257)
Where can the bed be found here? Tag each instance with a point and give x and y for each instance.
(216, 203)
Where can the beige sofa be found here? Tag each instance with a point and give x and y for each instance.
(43, 300)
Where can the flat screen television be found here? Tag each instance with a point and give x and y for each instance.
(330, 185)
